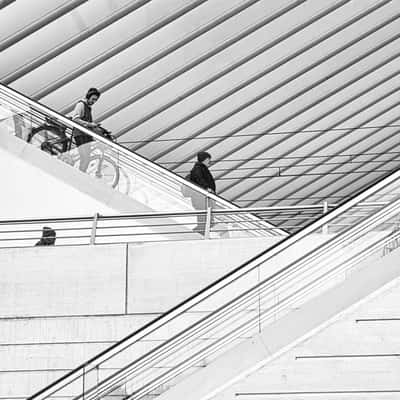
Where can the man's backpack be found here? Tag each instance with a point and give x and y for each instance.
(185, 189)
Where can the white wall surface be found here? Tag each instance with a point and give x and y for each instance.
(94, 280)
(61, 305)
(62, 281)
(34, 186)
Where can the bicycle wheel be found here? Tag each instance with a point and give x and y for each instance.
(108, 172)
(38, 138)
(124, 183)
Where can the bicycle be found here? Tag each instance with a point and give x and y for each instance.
(52, 138)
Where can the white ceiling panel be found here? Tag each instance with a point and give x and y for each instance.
(296, 100)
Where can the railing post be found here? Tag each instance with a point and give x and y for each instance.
(208, 219)
(94, 228)
(325, 209)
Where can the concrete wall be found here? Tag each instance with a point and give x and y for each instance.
(60, 306)
(118, 279)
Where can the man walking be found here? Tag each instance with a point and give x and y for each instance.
(201, 176)
(82, 114)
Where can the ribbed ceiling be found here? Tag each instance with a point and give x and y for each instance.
(297, 100)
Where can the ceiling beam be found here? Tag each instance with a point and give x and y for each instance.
(51, 16)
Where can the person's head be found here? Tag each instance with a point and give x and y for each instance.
(92, 96)
(204, 158)
(48, 235)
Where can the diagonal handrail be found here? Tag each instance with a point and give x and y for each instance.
(239, 272)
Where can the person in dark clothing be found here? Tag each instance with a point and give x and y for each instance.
(83, 115)
(48, 237)
(201, 176)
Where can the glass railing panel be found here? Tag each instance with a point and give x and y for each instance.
(248, 299)
(97, 154)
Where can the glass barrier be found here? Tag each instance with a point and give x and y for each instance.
(241, 304)
(97, 154)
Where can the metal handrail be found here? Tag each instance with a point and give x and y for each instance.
(158, 169)
(21, 232)
(167, 214)
(183, 213)
(226, 281)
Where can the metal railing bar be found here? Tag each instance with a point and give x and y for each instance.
(168, 214)
(304, 131)
(39, 237)
(122, 227)
(40, 230)
(183, 214)
(279, 167)
(44, 220)
(147, 233)
(221, 160)
(286, 175)
(316, 392)
(356, 355)
(286, 199)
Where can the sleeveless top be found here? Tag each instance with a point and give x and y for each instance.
(87, 112)
(87, 116)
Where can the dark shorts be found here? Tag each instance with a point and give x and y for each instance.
(82, 138)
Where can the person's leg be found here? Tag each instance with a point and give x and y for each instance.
(199, 203)
(84, 156)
